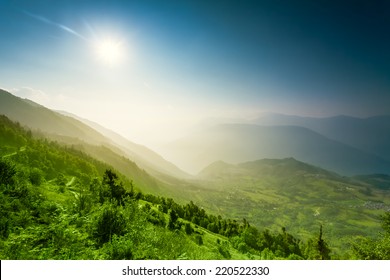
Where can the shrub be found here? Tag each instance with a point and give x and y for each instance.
(108, 223)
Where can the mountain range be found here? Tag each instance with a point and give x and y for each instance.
(371, 134)
(342, 144)
(276, 175)
(235, 143)
(63, 126)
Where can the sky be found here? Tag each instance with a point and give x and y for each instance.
(150, 70)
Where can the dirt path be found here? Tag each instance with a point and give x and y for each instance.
(22, 149)
(71, 181)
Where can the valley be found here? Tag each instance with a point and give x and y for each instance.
(65, 159)
(288, 193)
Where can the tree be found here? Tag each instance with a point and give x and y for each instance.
(375, 249)
(109, 222)
(172, 222)
(7, 172)
(36, 176)
(198, 240)
(323, 248)
(317, 249)
(115, 186)
(385, 221)
(188, 229)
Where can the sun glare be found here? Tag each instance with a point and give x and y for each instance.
(109, 51)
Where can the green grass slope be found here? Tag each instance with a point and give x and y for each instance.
(289, 193)
(57, 202)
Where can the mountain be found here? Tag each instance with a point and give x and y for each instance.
(371, 135)
(287, 167)
(37, 117)
(234, 143)
(143, 156)
(269, 193)
(66, 127)
(60, 203)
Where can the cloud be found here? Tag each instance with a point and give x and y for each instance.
(36, 95)
(50, 22)
(41, 97)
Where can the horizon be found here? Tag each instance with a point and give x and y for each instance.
(152, 71)
(202, 123)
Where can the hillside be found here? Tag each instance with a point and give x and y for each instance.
(65, 127)
(274, 193)
(267, 194)
(234, 143)
(143, 156)
(37, 117)
(59, 203)
(120, 153)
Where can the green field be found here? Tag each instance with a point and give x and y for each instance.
(60, 202)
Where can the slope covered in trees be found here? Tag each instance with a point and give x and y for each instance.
(277, 193)
(59, 203)
(64, 127)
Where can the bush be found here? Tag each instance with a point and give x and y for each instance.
(120, 248)
(36, 176)
(223, 249)
(188, 229)
(198, 240)
(110, 222)
(7, 172)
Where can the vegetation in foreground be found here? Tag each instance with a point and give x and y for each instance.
(59, 203)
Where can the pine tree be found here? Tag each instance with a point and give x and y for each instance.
(323, 248)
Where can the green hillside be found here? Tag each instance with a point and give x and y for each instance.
(260, 199)
(59, 203)
(145, 158)
(64, 127)
(276, 193)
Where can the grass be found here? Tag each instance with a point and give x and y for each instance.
(299, 202)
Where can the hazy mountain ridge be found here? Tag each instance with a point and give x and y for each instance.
(269, 192)
(371, 134)
(259, 168)
(64, 126)
(38, 117)
(145, 157)
(52, 186)
(235, 143)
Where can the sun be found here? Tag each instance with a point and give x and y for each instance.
(109, 51)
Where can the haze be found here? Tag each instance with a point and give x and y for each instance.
(151, 70)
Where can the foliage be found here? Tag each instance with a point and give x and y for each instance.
(109, 222)
(374, 249)
(317, 248)
(7, 172)
(385, 222)
(114, 186)
(59, 203)
(36, 176)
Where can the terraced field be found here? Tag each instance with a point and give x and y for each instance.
(287, 193)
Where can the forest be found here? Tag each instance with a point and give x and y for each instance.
(57, 202)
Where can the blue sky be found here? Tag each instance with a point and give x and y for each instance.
(181, 61)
